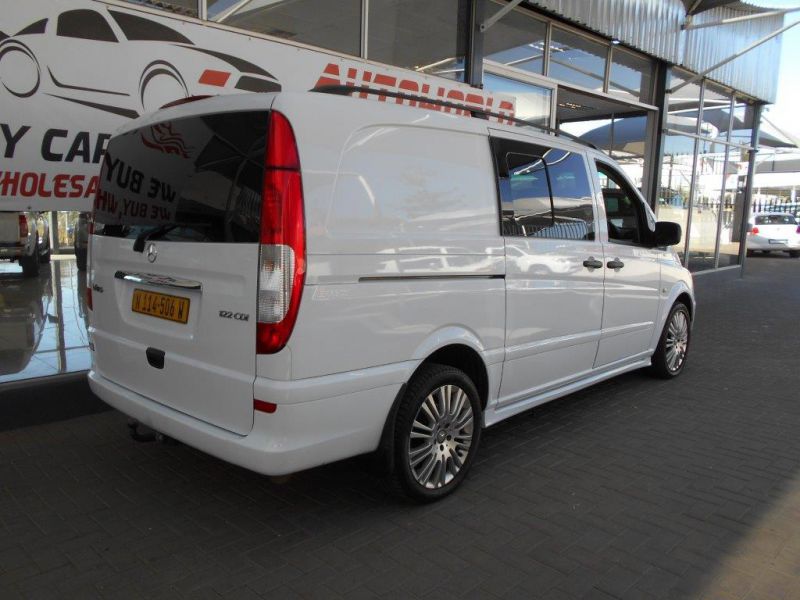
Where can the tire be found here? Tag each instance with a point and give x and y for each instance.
(794, 253)
(45, 258)
(446, 432)
(30, 265)
(80, 258)
(677, 332)
(751, 253)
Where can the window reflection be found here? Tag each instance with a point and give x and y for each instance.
(533, 102)
(333, 25)
(181, 7)
(417, 34)
(517, 40)
(577, 60)
(676, 181)
(630, 76)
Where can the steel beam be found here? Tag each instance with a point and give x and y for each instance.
(773, 13)
(499, 14)
(725, 61)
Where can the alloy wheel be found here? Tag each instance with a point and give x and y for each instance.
(441, 436)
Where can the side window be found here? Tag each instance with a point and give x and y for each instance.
(544, 192)
(530, 208)
(572, 195)
(628, 221)
(84, 24)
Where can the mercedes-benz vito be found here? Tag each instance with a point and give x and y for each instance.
(285, 280)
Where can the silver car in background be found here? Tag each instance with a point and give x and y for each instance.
(25, 238)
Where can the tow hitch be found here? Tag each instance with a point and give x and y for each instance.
(142, 433)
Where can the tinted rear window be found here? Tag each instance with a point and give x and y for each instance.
(198, 179)
(776, 220)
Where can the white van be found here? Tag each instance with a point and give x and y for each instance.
(285, 280)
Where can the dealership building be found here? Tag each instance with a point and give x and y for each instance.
(673, 90)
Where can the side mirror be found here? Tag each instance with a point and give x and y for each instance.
(667, 234)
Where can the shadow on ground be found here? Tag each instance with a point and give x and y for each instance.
(636, 488)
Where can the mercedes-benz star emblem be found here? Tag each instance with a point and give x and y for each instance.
(152, 253)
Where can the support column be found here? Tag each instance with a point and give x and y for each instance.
(748, 190)
(473, 37)
(652, 183)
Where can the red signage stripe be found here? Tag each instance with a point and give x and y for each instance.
(211, 77)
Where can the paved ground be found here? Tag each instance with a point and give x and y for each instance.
(635, 489)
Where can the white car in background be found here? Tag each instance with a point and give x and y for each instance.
(773, 232)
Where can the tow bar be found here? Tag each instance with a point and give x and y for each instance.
(143, 434)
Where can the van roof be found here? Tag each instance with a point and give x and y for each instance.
(393, 111)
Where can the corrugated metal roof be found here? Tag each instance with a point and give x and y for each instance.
(654, 27)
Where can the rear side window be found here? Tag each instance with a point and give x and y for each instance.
(775, 220)
(544, 192)
(197, 179)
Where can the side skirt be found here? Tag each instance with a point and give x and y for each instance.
(495, 415)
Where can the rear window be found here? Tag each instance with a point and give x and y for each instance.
(775, 220)
(197, 179)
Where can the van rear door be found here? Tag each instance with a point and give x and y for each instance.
(174, 263)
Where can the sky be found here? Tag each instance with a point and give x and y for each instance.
(784, 112)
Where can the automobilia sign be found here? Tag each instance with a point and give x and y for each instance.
(73, 71)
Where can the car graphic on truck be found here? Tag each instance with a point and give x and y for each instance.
(39, 59)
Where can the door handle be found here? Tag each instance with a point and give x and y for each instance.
(615, 264)
(593, 263)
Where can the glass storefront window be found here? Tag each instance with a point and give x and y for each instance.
(716, 112)
(181, 7)
(733, 208)
(630, 76)
(517, 40)
(676, 182)
(533, 102)
(707, 205)
(417, 34)
(683, 104)
(576, 59)
(332, 25)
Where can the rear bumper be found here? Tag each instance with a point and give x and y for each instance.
(297, 436)
(755, 243)
(12, 251)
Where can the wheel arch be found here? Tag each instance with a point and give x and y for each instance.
(462, 356)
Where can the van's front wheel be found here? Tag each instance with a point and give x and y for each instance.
(437, 432)
(670, 355)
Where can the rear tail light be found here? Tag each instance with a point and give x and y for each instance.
(282, 254)
(89, 304)
(754, 231)
(23, 227)
(797, 230)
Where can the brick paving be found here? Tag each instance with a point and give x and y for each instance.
(636, 488)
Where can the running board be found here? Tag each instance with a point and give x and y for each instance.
(493, 416)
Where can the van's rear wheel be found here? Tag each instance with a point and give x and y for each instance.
(437, 432)
(673, 347)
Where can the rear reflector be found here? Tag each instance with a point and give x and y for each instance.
(266, 407)
(282, 254)
(89, 303)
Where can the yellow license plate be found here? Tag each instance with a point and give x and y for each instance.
(163, 306)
